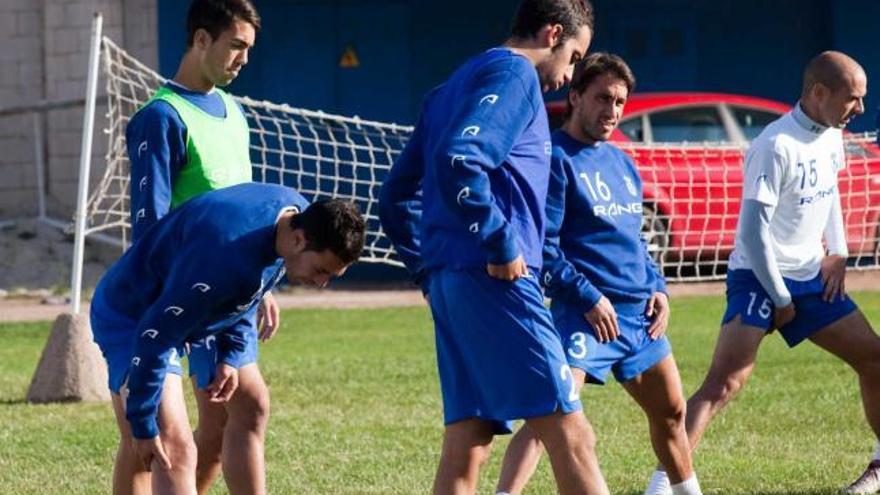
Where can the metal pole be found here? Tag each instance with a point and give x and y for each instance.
(84, 165)
(40, 164)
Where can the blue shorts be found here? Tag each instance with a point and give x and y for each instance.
(630, 355)
(498, 354)
(202, 355)
(747, 299)
(115, 336)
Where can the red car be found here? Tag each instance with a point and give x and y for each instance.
(689, 149)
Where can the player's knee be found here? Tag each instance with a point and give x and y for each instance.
(127, 452)
(181, 450)
(671, 417)
(252, 408)
(576, 432)
(481, 454)
(589, 437)
(722, 388)
(467, 458)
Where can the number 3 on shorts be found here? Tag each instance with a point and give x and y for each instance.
(567, 376)
(578, 347)
(763, 311)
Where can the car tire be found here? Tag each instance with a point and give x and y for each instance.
(655, 232)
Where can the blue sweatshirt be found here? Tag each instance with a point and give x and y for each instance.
(195, 273)
(594, 245)
(469, 187)
(159, 125)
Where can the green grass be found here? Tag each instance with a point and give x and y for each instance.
(356, 410)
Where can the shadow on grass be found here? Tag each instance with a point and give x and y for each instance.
(13, 402)
(813, 491)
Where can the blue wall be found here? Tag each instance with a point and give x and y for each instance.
(405, 47)
(401, 45)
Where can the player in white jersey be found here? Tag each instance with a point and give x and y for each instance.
(780, 275)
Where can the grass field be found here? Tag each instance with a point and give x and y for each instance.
(356, 410)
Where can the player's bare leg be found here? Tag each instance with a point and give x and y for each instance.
(524, 452)
(732, 364)
(466, 447)
(130, 477)
(177, 441)
(209, 439)
(244, 466)
(571, 446)
(242, 423)
(852, 339)
(658, 391)
(520, 461)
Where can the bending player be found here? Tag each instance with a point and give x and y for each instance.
(190, 138)
(611, 315)
(464, 206)
(780, 275)
(176, 287)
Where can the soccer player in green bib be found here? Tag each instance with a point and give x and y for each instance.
(191, 138)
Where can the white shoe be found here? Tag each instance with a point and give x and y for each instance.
(868, 483)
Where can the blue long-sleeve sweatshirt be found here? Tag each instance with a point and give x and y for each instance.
(156, 144)
(594, 245)
(469, 187)
(200, 268)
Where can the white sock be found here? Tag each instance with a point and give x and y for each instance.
(502, 493)
(877, 452)
(659, 484)
(689, 486)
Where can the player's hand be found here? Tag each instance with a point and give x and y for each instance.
(603, 319)
(658, 308)
(151, 449)
(510, 271)
(268, 317)
(224, 384)
(783, 316)
(833, 270)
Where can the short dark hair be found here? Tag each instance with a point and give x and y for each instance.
(335, 225)
(216, 16)
(532, 15)
(596, 65)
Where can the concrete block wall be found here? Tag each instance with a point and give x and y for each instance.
(21, 73)
(47, 59)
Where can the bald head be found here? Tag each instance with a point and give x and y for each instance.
(833, 90)
(834, 70)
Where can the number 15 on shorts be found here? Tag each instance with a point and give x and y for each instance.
(764, 310)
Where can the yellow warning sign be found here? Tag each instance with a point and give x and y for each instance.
(349, 59)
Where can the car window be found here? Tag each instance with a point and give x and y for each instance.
(693, 124)
(854, 149)
(752, 121)
(633, 129)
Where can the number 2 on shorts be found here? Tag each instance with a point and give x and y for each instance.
(566, 375)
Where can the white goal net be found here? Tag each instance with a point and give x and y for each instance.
(317, 154)
(692, 191)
